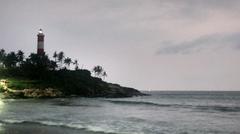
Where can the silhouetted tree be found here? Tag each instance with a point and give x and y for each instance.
(67, 61)
(20, 57)
(53, 65)
(104, 74)
(36, 66)
(2, 56)
(10, 60)
(61, 57)
(55, 56)
(76, 64)
(97, 70)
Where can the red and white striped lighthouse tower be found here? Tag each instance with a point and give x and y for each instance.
(40, 43)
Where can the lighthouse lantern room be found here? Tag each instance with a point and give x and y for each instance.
(40, 42)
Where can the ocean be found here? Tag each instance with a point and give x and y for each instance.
(164, 112)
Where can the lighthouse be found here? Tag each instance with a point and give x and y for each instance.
(40, 42)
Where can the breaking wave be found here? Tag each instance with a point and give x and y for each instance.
(198, 107)
(87, 128)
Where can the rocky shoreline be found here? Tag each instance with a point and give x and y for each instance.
(114, 91)
(34, 93)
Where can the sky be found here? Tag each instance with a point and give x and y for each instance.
(145, 44)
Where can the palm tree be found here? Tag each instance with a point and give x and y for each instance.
(55, 56)
(2, 53)
(10, 60)
(76, 64)
(67, 61)
(60, 57)
(20, 56)
(104, 74)
(97, 70)
(2, 56)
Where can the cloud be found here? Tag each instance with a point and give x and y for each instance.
(122, 36)
(205, 43)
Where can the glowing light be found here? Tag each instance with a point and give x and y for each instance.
(40, 31)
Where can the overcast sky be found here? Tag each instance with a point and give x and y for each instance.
(146, 44)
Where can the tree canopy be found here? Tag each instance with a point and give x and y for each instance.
(37, 66)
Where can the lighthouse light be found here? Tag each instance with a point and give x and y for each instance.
(40, 31)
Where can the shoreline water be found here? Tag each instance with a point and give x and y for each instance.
(35, 128)
(166, 113)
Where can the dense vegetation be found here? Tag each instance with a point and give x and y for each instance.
(39, 71)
